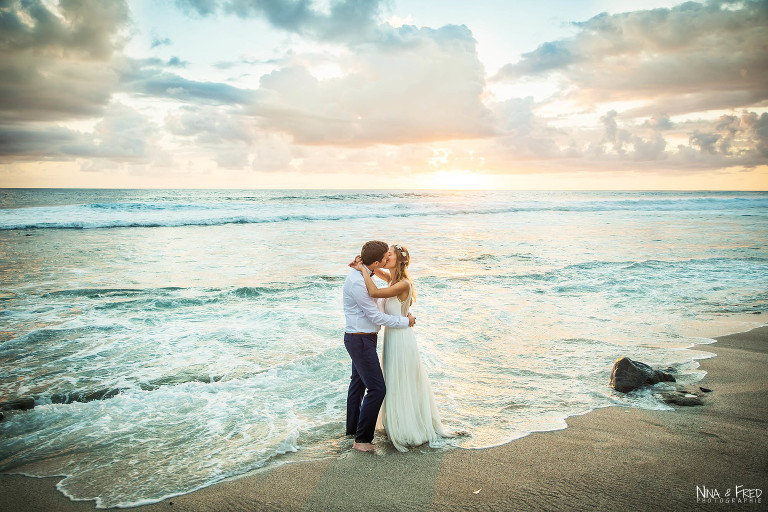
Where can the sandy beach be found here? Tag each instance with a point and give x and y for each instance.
(610, 458)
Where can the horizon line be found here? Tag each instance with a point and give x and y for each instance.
(397, 189)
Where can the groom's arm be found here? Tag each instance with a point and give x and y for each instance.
(373, 314)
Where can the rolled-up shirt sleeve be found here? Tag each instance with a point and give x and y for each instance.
(372, 313)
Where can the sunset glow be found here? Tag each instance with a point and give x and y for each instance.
(224, 93)
(456, 180)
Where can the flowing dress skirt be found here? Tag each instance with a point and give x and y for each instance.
(409, 414)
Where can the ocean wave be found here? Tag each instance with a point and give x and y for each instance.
(20, 347)
(170, 297)
(651, 264)
(482, 258)
(347, 196)
(95, 292)
(530, 309)
(329, 208)
(180, 222)
(600, 275)
(311, 283)
(250, 292)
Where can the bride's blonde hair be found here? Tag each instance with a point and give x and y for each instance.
(400, 272)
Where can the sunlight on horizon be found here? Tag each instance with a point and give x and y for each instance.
(459, 180)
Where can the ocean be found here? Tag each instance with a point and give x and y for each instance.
(210, 321)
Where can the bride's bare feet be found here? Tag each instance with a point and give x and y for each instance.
(363, 447)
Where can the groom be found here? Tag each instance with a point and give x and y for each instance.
(363, 323)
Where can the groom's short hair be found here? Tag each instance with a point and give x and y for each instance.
(373, 251)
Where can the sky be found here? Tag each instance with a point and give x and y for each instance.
(384, 94)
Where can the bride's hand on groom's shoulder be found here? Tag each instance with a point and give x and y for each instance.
(357, 263)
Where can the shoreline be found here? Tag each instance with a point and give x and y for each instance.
(608, 457)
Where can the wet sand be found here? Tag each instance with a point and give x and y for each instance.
(610, 458)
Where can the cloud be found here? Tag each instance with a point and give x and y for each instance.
(63, 62)
(157, 41)
(549, 56)
(56, 65)
(53, 58)
(691, 57)
(123, 135)
(658, 122)
(343, 20)
(625, 141)
(705, 142)
(201, 7)
(523, 134)
(211, 125)
(147, 77)
(228, 64)
(36, 143)
(730, 140)
(173, 86)
(386, 99)
(415, 84)
(224, 134)
(78, 28)
(741, 136)
(175, 62)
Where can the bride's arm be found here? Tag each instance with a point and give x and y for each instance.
(381, 293)
(383, 274)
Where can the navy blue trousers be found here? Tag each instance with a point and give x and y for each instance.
(366, 373)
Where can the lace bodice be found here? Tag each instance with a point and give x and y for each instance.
(393, 306)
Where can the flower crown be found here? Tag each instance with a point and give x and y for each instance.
(402, 251)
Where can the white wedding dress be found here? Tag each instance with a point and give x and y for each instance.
(409, 414)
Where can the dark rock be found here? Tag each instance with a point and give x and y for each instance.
(20, 404)
(628, 375)
(706, 390)
(23, 404)
(2, 416)
(681, 398)
(84, 396)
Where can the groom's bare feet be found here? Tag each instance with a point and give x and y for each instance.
(363, 447)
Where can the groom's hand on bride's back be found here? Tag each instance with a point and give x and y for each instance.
(411, 320)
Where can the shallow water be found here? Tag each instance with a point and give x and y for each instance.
(217, 316)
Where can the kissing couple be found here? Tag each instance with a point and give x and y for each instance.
(408, 411)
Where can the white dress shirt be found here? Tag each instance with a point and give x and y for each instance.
(360, 308)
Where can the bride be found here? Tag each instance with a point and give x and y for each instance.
(409, 414)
